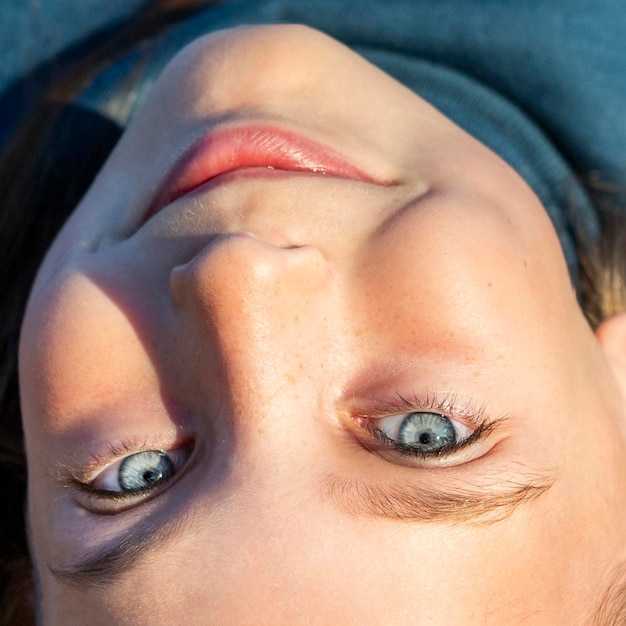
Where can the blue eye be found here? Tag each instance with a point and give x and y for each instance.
(141, 471)
(425, 432)
(145, 469)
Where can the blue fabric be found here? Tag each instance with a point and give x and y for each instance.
(32, 33)
(542, 82)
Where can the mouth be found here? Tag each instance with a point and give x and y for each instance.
(256, 150)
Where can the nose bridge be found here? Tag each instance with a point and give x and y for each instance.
(259, 305)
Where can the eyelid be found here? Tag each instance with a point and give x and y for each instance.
(106, 502)
(83, 471)
(447, 404)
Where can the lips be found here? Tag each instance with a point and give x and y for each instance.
(262, 147)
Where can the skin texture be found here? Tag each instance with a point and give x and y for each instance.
(269, 322)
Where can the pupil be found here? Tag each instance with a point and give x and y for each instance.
(151, 475)
(425, 438)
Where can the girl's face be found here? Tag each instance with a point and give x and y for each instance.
(308, 353)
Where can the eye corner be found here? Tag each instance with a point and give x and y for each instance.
(106, 500)
(429, 432)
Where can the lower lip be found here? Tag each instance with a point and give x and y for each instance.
(230, 149)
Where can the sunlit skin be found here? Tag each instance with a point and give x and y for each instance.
(259, 328)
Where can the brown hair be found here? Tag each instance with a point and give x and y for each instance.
(602, 290)
(38, 195)
(611, 609)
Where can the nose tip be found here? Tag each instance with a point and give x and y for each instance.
(238, 269)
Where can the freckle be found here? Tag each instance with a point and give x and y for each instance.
(358, 332)
(525, 264)
(477, 373)
(261, 431)
(489, 284)
(296, 318)
(301, 366)
(303, 443)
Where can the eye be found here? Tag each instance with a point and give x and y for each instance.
(425, 433)
(141, 471)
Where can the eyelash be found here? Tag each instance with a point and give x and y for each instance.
(446, 405)
(117, 452)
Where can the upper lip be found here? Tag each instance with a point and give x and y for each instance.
(227, 149)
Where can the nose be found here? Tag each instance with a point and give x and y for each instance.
(260, 307)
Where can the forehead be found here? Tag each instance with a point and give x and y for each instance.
(293, 572)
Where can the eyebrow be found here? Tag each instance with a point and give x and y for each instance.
(414, 503)
(108, 563)
(418, 503)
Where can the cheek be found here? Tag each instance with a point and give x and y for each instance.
(458, 266)
(77, 350)
(438, 280)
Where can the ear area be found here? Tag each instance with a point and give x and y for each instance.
(611, 335)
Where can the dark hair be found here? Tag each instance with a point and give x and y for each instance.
(44, 172)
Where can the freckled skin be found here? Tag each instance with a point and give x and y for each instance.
(265, 355)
